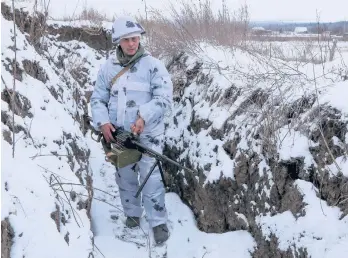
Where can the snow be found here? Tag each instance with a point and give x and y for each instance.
(185, 239)
(320, 230)
(219, 116)
(219, 62)
(336, 96)
(28, 200)
(294, 145)
(80, 23)
(342, 164)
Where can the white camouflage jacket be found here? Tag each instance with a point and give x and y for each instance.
(145, 88)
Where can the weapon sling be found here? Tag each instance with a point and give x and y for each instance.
(120, 73)
(106, 146)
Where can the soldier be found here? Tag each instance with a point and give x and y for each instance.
(135, 100)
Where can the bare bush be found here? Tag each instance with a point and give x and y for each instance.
(189, 24)
(87, 14)
(91, 20)
(91, 14)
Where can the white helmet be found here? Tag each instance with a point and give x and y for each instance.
(125, 27)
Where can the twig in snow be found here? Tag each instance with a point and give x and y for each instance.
(204, 254)
(47, 170)
(61, 186)
(98, 250)
(317, 98)
(342, 199)
(320, 127)
(94, 188)
(19, 204)
(11, 94)
(98, 199)
(14, 78)
(57, 155)
(72, 209)
(28, 132)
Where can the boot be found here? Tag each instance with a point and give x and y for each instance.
(161, 233)
(132, 222)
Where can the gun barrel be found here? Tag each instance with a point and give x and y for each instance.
(162, 157)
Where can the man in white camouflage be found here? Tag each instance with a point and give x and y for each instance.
(137, 102)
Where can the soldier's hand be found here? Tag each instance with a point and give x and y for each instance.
(107, 130)
(138, 126)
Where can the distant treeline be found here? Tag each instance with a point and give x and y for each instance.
(337, 28)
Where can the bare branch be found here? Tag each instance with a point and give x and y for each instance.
(47, 170)
(98, 250)
(94, 188)
(56, 155)
(14, 66)
(67, 199)
(19, 204)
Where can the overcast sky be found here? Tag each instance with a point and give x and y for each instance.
(329, 10)
(260, 10)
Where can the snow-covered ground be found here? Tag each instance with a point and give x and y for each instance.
(238, 68)
(321, 231)
(28, 200)
(301, 50)
(42, 157)
(331, 238)
(113, 239)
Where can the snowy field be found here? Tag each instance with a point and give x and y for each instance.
(28, 200)
(300, 51)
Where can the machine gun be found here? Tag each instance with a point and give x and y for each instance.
(127, 149)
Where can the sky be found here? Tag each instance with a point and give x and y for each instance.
(260, 10)
(299, 10)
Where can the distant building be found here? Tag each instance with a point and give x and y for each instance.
(260, 31)
(301, 30)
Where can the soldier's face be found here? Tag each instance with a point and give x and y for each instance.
(130, 45)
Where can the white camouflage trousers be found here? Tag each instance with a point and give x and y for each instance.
(153, 193)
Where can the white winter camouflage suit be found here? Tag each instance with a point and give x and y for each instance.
(147, 88)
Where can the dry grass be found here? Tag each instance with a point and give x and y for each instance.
(91, 14)
(189, 23)
(87, 14)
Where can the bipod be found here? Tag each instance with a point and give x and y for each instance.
(157, 163)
